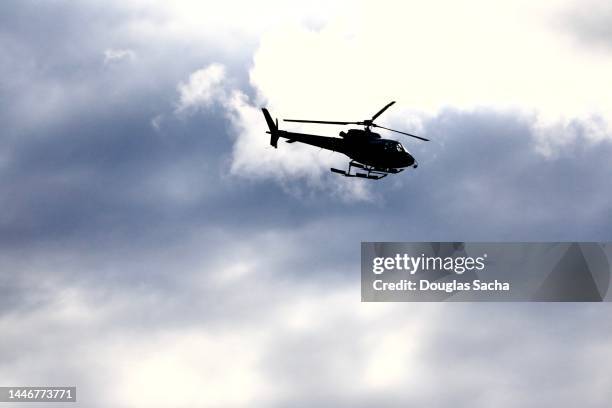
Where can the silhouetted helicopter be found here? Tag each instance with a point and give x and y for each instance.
(367, 150)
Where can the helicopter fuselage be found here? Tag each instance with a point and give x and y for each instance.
(362, 146)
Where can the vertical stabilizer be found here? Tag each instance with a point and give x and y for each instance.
(273, 128)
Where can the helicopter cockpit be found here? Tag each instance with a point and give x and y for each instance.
(393, 146)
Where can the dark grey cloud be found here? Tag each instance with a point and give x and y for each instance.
(488, 181)
(103, 167)
(80, 153)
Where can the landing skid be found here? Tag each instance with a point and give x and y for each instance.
(372, 173)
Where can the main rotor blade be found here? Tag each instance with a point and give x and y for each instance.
(325, 122)
(382, 110)
(403, 133)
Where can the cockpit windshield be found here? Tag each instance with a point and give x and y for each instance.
(393, 146)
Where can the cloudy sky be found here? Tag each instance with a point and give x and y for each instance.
(156, 251)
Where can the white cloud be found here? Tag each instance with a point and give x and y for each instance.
(112, 55)
(189, 367)
(509, 56)
(505, 55)
(276, 337)
(252, 155)
(203, 88)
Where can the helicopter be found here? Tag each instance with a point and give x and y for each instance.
(374, 156)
